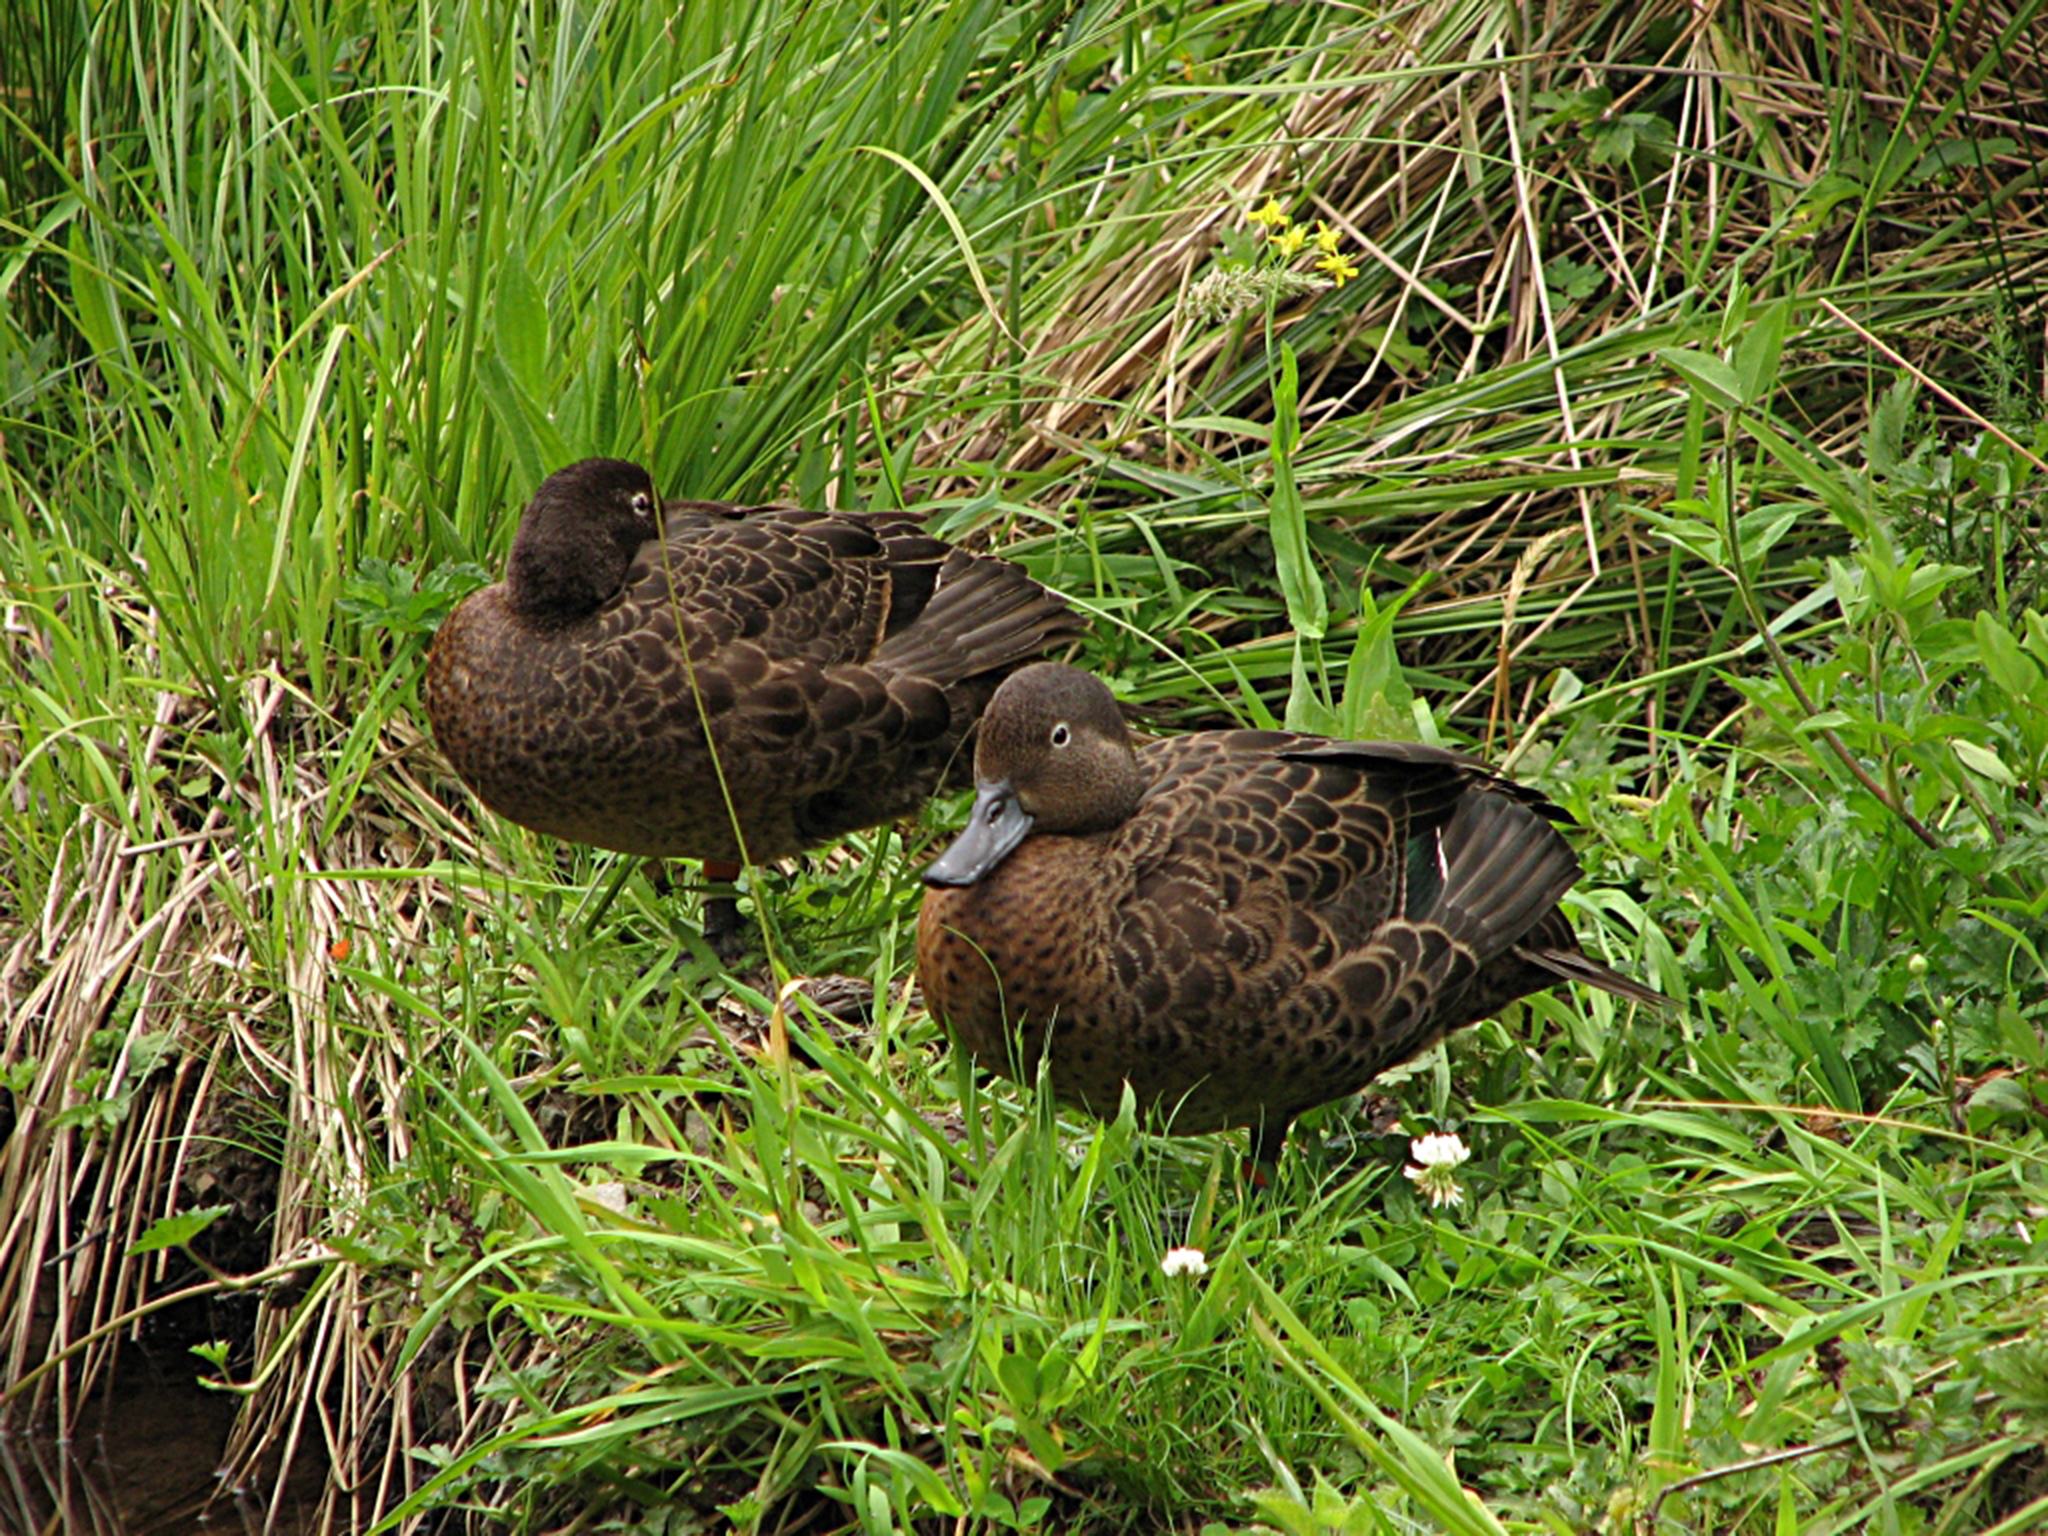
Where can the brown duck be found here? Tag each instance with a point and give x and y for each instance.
(1239, 924)
(733, 684)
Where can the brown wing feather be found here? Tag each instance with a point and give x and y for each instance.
(815, 586)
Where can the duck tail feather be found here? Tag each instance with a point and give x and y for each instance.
(1575, 965)
(985, 615)
(1504, 868)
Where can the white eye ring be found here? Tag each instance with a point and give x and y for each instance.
(1061, 735)
(643, 503)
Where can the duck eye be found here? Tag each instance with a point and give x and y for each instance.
(1061, 735)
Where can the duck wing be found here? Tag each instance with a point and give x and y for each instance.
(820, 587)
(1303, 914)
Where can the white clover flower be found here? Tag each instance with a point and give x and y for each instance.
(1185, 1261)
(1437, 1177)
(1439, 1149)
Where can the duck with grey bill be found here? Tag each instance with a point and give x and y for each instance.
(728, 683)
(1239, 924)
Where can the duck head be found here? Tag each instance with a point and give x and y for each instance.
(1053, 754)
(578, 537)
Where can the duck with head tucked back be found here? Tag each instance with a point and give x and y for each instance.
(1240, 924)
(728, 683)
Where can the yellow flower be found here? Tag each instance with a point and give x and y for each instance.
(1339, 267)
(1272, 215)
(1326, 238)
(1290, 239)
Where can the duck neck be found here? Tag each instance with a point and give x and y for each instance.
(1120, 783)
(1130, 790)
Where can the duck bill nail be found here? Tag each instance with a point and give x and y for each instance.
(997, 825)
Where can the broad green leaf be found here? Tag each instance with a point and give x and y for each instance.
(2009, 666)
(534, 441)
(1757, 353)
(1707, 373)
(1884, 439)
(92, 297)
(520, 315)
(176, 1231)
(1982, 760)
(1308, 607)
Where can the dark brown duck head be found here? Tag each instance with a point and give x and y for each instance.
(1054, 756)
(578, 538)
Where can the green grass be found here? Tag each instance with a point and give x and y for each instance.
(486, 1176)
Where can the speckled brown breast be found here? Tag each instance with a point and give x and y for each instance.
(760, 685)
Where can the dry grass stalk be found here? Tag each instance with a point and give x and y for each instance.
(176, 1039)
(1458, 170)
